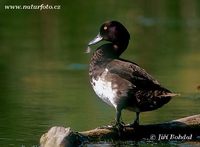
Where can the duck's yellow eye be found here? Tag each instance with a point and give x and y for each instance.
(105, 27)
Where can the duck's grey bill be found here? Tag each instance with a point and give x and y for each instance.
(97, 39)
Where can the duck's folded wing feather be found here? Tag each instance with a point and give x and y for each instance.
(133, 73)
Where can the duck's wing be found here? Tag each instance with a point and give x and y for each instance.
(133, 73)
(146, 92)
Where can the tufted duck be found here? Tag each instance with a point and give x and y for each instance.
(119, 82)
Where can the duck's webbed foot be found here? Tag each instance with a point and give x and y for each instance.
(119, 128)
(133, 125)
(119, 125)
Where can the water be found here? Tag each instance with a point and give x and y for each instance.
(44, 68)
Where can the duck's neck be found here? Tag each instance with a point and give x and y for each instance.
(120, 46)
(102, 55)
(110, 50)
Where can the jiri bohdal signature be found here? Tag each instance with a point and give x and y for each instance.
(174, 137)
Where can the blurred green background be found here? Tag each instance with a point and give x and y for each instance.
(44, 70)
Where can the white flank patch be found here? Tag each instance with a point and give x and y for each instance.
(104, 89)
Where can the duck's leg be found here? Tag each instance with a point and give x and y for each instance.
(136, 121)
(117, 124)
(118, 116)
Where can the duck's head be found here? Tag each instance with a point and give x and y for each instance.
(114, 32)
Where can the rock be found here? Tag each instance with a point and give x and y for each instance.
(59, 137)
